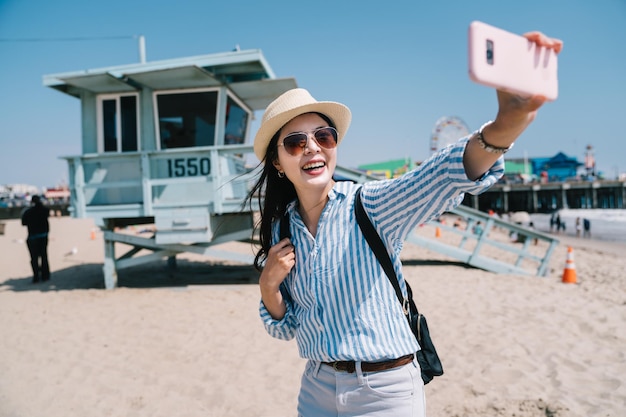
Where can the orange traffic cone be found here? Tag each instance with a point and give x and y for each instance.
(93, 234)
(569, 273)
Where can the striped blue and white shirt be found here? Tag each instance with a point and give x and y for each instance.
(340, 303)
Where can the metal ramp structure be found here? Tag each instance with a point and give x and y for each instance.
(529, 252)
(498, 246)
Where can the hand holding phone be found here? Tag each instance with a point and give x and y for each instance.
(513, 63)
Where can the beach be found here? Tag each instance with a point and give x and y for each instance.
(189, 342)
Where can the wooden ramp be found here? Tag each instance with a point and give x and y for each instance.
(496, 245)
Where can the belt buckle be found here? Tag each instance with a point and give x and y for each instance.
(335, 366)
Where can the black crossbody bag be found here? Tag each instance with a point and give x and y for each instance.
(427, 357)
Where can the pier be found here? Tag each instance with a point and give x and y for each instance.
(547, 197)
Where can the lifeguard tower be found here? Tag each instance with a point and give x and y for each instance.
(165, 143)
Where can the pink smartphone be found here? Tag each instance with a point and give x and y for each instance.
(510, 62)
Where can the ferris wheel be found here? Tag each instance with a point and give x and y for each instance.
(447, 130)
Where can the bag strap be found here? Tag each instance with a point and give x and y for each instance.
(379, 249)
(284, 227)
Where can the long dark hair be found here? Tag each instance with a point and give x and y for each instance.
(274, 194)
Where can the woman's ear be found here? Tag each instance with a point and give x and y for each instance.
(276, 165)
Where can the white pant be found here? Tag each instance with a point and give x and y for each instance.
(397, 392)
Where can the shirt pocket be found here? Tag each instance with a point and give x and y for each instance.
(309, 287)
(325, 278)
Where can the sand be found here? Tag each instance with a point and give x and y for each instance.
(189, 342)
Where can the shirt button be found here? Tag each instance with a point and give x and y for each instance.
(320, 327)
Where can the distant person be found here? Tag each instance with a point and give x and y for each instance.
(557, 222)
(579, 227)
(531, 226)
(586, 228)
(552, 221)
(478, 229)
(36, 220)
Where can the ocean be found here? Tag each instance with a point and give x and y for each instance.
(606, 224)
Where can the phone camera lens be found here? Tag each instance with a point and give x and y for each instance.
(489, 52)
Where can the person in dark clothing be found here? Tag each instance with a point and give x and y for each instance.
(36, 220)
(552, 221)
(587, 228)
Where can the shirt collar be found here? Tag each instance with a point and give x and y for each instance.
(339, 190)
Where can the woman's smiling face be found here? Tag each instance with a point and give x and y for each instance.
(314, 168)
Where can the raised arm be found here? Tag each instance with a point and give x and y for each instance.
(515, 113)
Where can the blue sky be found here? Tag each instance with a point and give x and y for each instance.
(399, 66)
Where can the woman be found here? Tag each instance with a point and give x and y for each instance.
(323, 285)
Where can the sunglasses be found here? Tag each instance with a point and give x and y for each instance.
(294, 143)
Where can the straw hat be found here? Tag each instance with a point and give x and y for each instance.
(293, 103)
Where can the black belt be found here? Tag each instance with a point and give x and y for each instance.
(350, 366)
